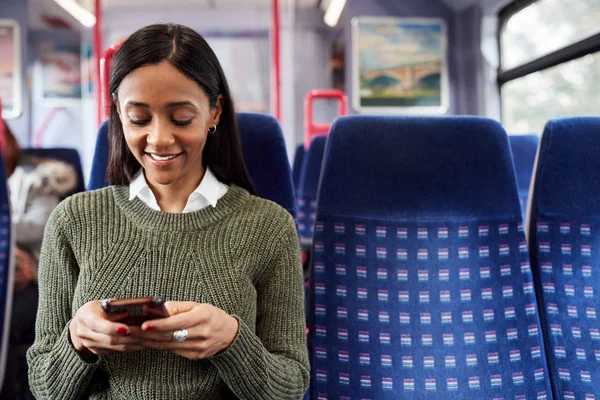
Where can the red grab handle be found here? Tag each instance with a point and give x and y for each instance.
(310, 128)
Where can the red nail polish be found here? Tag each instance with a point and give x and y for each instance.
(128, 334)
(150, 327)
(121, 330)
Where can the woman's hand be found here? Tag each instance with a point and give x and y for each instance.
(209, 330)
(93, 333)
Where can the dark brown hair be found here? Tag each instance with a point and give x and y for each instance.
(187, 51)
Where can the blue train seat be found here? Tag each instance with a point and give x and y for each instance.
(297, 166)
(564, 242)
(421, 282)
(524, 149)
(98, 178)
(264, 151)
(6, 272)
(69, 156)
(266, 158)
(307, 187)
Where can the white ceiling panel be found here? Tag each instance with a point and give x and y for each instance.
(116, 4)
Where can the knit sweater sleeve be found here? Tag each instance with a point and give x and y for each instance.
(55, 369)
(273, 362)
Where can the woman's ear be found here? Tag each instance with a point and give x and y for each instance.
(217, 110)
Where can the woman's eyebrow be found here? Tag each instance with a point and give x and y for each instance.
(168, 105)
(180, 104)
(137, 104)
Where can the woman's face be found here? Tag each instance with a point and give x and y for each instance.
(166, 118)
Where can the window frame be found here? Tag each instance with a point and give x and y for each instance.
(561, 55)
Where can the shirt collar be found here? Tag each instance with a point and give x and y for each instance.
(210, 188)
(137, 184)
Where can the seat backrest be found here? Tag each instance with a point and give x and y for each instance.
(266, 158)
(307, 187)
(98, 178)
(66, 155)
(297, 166)
(421, 285)
(6, 271)
(564, 241)
(264, 151)
(524, 149)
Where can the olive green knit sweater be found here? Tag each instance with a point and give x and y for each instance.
(242, 256)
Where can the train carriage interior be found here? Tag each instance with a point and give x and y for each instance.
(438, 158)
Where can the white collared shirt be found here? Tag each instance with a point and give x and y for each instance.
(206, 194)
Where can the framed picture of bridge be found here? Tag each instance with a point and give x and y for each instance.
(399, 65)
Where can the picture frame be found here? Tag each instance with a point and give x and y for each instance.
(11, 80)
(58, 73)
(399, 65)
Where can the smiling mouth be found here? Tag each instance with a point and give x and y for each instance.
(165, 157)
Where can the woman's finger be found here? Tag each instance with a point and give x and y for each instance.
(179, 307)
(180, 321)
(101, 325)
(91, 339)
(198, 332)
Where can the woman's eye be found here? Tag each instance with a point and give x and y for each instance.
(138, 122)
(182, 123)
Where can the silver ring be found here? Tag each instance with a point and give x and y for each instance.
(180, 335)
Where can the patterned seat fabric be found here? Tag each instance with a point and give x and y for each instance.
(524, 148)
(309, 183)
(69, 156)
(563, 233)
(421, 283)
(297, 166)
(6, 272)
(263, 146)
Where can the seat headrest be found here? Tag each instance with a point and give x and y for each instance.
(311, 168)
(567, 180)
(297, 166)
(418, 167)
(266, 158)
(524, 149)
(98, 178)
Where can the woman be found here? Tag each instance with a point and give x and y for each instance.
(179, 222)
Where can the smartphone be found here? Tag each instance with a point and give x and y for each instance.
(138, 310)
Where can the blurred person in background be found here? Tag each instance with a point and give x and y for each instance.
(36, 186)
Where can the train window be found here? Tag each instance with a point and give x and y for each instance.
(549, 61)
(568, 89)
(245, 61)
(545, 26)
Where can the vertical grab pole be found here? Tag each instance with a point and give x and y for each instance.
(276, 59)
(97, 54)
(105, 95)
